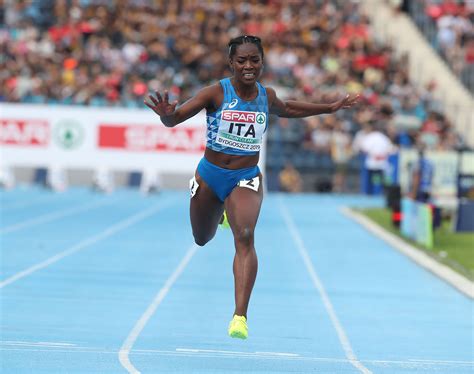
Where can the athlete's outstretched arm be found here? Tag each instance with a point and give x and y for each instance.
(171, 116)
(299, 109)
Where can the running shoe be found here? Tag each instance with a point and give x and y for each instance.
(224, 224)
(238, 327)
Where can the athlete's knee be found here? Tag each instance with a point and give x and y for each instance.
(202, 240)
(244, 236)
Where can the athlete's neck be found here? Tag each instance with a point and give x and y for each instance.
(244, 91)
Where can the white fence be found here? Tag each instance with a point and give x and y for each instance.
(90, 138)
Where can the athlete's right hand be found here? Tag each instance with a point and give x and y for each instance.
(161, 105)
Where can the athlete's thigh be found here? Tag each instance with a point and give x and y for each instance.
(205, 208)
(243, 207)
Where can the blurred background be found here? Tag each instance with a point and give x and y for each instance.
(74, 75)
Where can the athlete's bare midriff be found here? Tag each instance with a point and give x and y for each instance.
(233, 162)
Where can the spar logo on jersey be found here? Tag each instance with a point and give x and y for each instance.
(244, 117)
(241, 130)
(236, 116)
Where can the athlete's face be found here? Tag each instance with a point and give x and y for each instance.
(247, 63)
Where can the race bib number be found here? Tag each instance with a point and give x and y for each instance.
(253, 183)
(193, 186)
(241, 130)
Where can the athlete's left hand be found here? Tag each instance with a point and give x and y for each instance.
(346, 102)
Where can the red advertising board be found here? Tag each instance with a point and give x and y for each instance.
(24, 132)
(151, 138)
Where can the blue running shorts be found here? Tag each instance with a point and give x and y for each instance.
(223, 181)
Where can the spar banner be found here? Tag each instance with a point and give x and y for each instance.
(68, 137)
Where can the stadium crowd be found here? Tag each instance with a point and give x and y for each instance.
(103, 53)
(449, 27)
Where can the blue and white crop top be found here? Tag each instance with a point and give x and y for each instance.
(237, 127)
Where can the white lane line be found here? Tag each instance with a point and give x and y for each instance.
(434, 365)
(196, 350)
(455, 279)
(278, 354)
(83, 244)
(140, 325)
(343, 339)
(52, 216)
(34, 344)
(449, 362)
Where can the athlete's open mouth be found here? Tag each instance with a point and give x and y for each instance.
(249, 75)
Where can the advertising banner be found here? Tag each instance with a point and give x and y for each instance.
(417, 222)
(446, 166)
(70, 137)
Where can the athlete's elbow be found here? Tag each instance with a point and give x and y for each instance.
(285, 112)
(169, 123)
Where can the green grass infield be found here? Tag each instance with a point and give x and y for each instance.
(453, 249)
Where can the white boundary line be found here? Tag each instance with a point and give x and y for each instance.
(141, 323)
(412, 364)
(81, 245)
(343, 339)
(52, 216)
(456, 280)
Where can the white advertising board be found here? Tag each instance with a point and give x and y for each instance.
(446, 166)
(68, 137)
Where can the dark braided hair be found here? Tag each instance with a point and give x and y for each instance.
(235, 42)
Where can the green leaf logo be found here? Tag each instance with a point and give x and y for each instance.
(261, 118)
(69, 134)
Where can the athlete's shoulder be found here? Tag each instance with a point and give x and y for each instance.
(270, 90)
(271, 94)
(213, 94)
(214, 88)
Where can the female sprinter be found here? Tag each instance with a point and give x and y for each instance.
(228, 177)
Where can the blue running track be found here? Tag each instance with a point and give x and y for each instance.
(93, 283)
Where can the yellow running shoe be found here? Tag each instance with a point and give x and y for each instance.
(224, 224)
(238, 327)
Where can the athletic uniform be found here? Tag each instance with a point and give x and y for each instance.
(235, 128)
(426, 170)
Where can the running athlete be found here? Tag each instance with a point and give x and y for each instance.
(227, 186)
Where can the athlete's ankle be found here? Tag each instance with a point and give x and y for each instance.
(240, 314)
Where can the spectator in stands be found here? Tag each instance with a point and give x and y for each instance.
(431, 130)
(448, 25)
(320, 135)
(376, 147)
(290, 179)
(341, 153)
(421, 177)
(363, 118)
